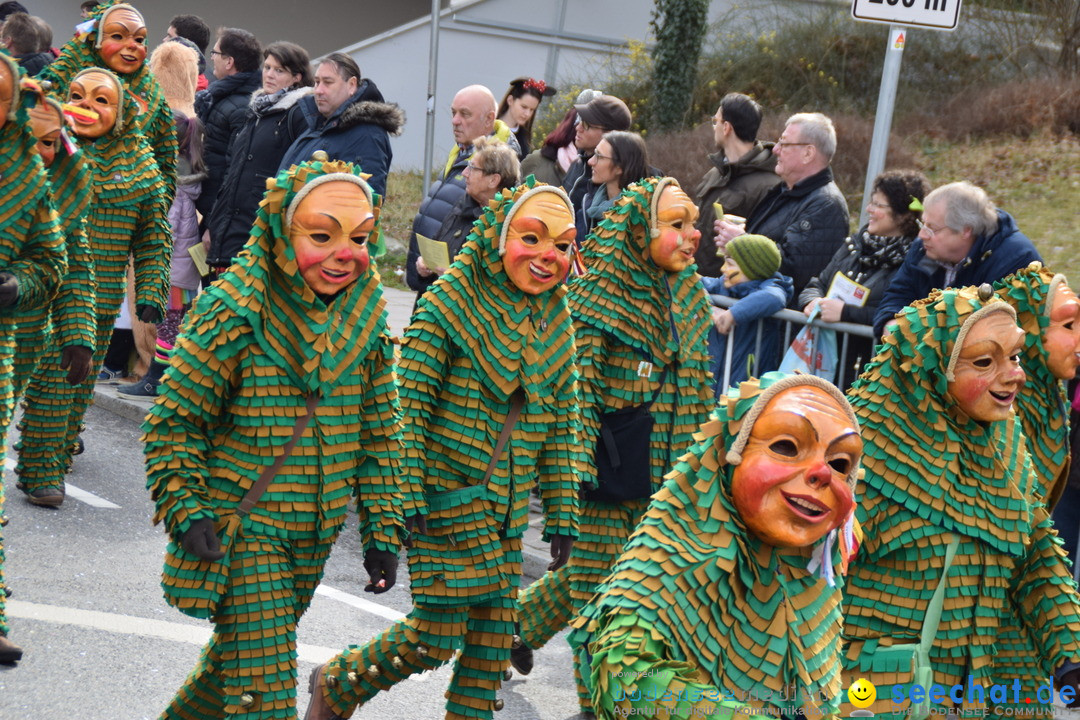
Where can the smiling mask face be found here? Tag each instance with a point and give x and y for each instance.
(677, 239)
(791, 486)
(987, 374)
(97, 94)
(538, 243)
(329, 234)
(123, 40)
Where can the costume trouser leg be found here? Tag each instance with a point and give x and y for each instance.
(1017, 658)
(53, 409)
(7, 410)
(248, 669)
(32, 341)
(548, 605)
(425, 640)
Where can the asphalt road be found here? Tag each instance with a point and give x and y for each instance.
(100, 642)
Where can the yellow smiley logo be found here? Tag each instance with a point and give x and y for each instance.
(862, 693)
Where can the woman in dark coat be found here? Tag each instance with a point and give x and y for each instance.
(274, 121)
(869, 259)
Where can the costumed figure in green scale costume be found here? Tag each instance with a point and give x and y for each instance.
(945, 459)
(298, 319)
(114, 37)
(56, 343)
(32, 260)
(726, 599)
(1049, 313)
(128, 216)
(641, 320)
(493, 331)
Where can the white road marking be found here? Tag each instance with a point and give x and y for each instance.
(130, 625)
(359, 603)
(78, 493)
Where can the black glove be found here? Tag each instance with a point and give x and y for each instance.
(413, 524)
(382, 567)
(202, 541)
(1071, 679)
(148, 314)
(9, 289)
(561, 545)
(76, 360)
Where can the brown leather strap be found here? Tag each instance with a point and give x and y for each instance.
(508, 427)
(256, 491)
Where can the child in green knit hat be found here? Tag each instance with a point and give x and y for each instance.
(750, 274)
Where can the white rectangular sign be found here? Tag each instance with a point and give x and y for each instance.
(934, 14)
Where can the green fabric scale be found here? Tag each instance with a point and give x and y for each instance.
(932, 471)
(155, 118)
(474, 339)
(721, 611)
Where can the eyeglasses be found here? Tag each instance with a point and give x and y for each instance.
(931, 232)
(218, 52)
(585, 125)
(879, 206)
(475, 168)
(780, 144)
(599, 156)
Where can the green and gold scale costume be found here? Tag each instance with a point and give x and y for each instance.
(154, 117)
(932, 472)
(1043, 412)
(699, 616)
(475, 341)
(68, 321)
(31, 249)
(254, 346)
(632, 319)
(128, 215)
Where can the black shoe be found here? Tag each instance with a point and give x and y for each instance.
(43, 496)
(140, 388)
(521, 659)
(10, 653)
(78, 449)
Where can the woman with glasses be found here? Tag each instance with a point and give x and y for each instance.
(274, 120)
(852, 284)
(619, 160)
(494, 167)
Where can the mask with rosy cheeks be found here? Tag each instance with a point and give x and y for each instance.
(676, 239)
(1061, 338)
(98, 93)
(329, 235)
(123, 40)
(46, 125)
(538, 243)
(987, 375)
(7, 92)
(791, 487)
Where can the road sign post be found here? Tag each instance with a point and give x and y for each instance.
(900, 15)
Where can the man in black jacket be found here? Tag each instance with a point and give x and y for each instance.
(222, 107)
(806, 215)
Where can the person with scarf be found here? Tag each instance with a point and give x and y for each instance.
(56, 342)
(489, 390)
(853, 283)
(727, 596)
(114, 37)
(642, 321)
(127, 217)
(32, 261)
(948, 474)
(298, 322)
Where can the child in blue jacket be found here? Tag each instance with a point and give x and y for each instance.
(749, 274)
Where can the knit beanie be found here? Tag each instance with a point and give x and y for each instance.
(176, 68)
(756, 255)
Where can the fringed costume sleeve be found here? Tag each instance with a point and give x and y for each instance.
(151, 250)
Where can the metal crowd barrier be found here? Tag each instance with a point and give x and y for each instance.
(790, 318)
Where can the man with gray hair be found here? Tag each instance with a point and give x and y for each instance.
(963, 240)
(806, 215)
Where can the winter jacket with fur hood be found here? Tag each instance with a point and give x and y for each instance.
(254, 156)
(358, 132)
